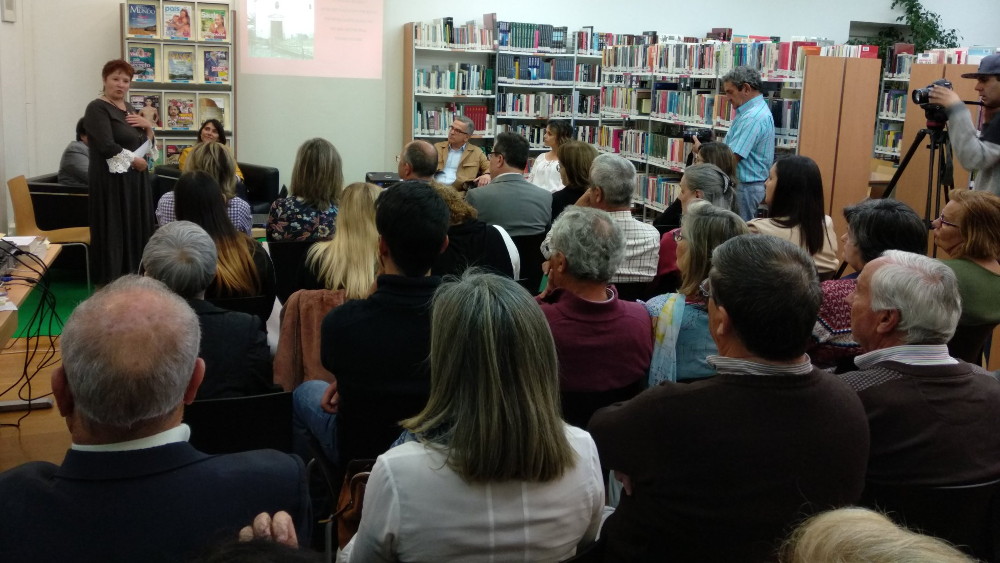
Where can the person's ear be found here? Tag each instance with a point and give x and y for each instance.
(887, 321)
(724, 325)
(62, 393)
(197, 376)
(444, 245)
(598, 194)
(383, 248)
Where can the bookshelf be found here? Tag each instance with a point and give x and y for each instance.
(183, 54)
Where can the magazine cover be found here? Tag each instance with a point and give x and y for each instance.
(176, 21)
(172, 153)
(216, 66)
(147, 105)
(141, 20)
(180, 113)
(180, 65)
(213, 24)
(212, 107)
(143, 60)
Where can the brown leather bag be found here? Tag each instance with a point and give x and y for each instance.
(352, 499)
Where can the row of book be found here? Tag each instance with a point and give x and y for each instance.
(658, 189)
(544, 105)
(491, 35)
(457, 79)
(179, 63)
(435, 120)
(180, 21)
(441, 33)
(182, 111)
(532, 37)
(697, 107)
(535, 70)
(892, 105)
(786, 115)
(533, 133)
(888, 135)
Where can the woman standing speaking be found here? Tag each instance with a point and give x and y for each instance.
(121, 200)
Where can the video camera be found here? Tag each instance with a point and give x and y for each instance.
(935, 112)
(704, 135)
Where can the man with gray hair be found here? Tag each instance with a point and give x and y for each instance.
(131, 488)
(510, 201)
(745, 454)
(933, 418)
(233, 344)
(751, 136)
(459, 162)
(604, 344)
(418, 161)
(612, 180)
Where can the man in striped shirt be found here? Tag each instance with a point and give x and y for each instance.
(933, 418)
(751, 136)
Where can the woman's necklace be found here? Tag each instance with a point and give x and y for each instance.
(112, 102)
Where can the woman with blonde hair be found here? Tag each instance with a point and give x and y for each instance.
(682, 339)
(217, 161)
(349, 260)
(488, 469)
(310, 210)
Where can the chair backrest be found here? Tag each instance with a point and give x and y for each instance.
(529, 247)
(58, 206)
(967, 516)
(259, 305)
(24, 211)
(288, 257)
(220, 426)
(969, 342)
(262, 185)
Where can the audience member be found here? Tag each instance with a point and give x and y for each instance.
(310, 210)
(211, 131)
(873, 226)
(510, 201)
(716, 470)
(459, 162)
(604, 344)
(474, 243)
(377, 347)
(794, 195)
(244, 269)
(487, 471)
(131, 488)
(715, 153)
(682, 341)
(75, 161)
(575, 160)
(933, 418)
(417, 161)
(751, 136)
(545, 172)
(859, 535)
(233, 345)
(215, 160)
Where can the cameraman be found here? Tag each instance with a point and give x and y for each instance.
(980, 153)
(751, 136)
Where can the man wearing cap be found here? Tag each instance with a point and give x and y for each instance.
(976, 152)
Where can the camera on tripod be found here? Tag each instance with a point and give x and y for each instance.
(934, 112)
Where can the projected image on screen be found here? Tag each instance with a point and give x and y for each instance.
(325, 38)
(282, 29)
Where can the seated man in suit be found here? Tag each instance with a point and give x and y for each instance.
(510, 201)
(131, 488)
(234, 345)
(458, 160)
(604, 344)
(933, 418)
(718, 469)
(377, 347)
(75, 161)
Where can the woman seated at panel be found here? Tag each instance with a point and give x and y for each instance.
(211, 132)
(217, 161)
(969, 231)
(873, 226)
(310, 210)
(244, 269)
(713, 152)
(794, 195)
(545, 172)
(682, 339)
(488, 470)
(575, 159)
(474, 243)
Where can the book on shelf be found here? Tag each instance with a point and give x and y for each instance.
(214, 106)
(179, 63)
(177, 21)
(142, 57)
(142, 20)
(172, 150)
(212, 22)
(179, 112)
(214, 65)
(147, 104)
(976, 53)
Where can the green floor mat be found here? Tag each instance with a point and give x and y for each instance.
(68, 287)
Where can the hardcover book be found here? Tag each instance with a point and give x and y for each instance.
(180, 64)
(143, 60)
(215, 66)
(141, 19)
(147, 105)
(177, 21)
(212, 23)
(180, 112)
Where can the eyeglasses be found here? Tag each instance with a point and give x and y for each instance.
(459, 131)
(943, 222)
(678, 236)
(705, 289)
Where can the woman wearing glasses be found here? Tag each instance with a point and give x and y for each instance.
(680, 320)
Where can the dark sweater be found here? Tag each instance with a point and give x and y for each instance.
(930, 425)
(565, 197)
(474, 243)
(722, 468)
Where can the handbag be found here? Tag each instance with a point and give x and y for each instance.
(352, 499)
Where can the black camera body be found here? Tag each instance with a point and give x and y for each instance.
(703, 135)
(935, 112)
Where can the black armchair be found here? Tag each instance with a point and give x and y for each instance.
(261, 183)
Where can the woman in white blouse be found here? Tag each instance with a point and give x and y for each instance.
(490, 471)
(545, 171)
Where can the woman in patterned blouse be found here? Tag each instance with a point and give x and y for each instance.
(310, 210)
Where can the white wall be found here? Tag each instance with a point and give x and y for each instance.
(50, 62)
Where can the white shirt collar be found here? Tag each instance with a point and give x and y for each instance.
(179, 433)
(909, 354)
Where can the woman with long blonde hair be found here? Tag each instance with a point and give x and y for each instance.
(349, 260)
